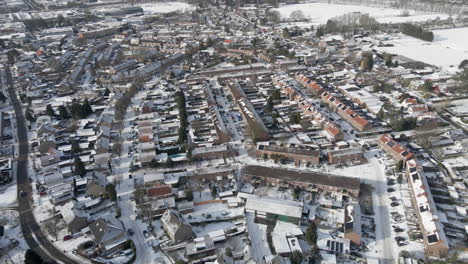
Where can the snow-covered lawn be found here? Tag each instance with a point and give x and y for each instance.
(319, 13)
(448, 48)
(166, 7)
(12, 241)
(8, 196)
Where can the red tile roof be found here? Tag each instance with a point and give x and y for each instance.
(159, 190)
(332, 129)
(397, 148)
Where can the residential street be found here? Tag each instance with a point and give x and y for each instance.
(382, 220)
(125, 187)
(31, 230)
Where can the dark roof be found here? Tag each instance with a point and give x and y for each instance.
(302, 176)
(432, 238)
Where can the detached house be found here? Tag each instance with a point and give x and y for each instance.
(176, 227)
(108, 233)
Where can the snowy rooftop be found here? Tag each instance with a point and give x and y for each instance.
(274, 206)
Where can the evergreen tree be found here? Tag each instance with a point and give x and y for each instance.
(2, 97)
(63, 112)
(75, 109)
(49, 110)
(31, 257)
(269, 105)
(182, 135)
(87, 109)
(311, 234)
(276, 95)
(463, 64)
(80, 168)
(75, 147)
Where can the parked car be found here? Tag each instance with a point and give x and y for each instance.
(393, 204)
(146, 233)
(402, 243)
(399, 238)
(390, 190)
(398, 230)
(67, 237)
(130, 232)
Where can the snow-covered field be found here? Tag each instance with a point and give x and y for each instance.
(448, 48)
(319, 13)
(166, 7)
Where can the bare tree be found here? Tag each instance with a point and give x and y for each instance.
(139, 194)
(424, 134)
(52, 227)
(296, 15)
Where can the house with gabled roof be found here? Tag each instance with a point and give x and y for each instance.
(176, 227)
(397, 151)
(109, 233)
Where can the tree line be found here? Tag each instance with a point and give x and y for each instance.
(416, 31)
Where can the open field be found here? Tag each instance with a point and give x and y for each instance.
(448, 48)
(319, 13)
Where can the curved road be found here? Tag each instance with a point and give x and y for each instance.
(32, 232)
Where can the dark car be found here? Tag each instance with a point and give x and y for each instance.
(130, 232)
(398, 230)
(399, 238)
(393, 204)
(390, 190)
(67, 237)
(146, 233)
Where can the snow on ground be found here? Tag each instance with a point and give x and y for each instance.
(12, 240)
(448, 48)
(8, 196)
(459, 107)
(319, 13)
(270, 192)
(166, 7)
(204, 195)
(257, 235)
(203, 230)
